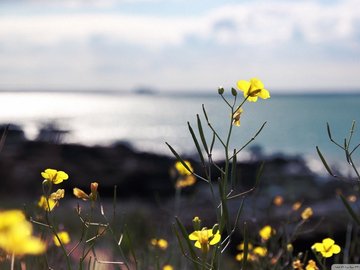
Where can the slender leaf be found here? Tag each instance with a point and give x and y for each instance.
(178, 157)
(201, 132)
(196, 144)
(324, 162)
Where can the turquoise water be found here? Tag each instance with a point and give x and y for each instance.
(295, 123)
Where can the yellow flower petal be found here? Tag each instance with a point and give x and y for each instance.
(194, 235)
(80, 194)
(64, 238)
(244, 86)
(216, 239)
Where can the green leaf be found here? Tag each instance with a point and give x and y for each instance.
(178, 157)
(350, 210)
(196, 144)
(324, 162)
(201, 132)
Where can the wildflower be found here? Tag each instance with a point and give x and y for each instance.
(307, 213)
(278, 200)
(182, 170)
(185, 181)
(79, 193)
(297, 265)
(289, 247)
(296, 206)
(204, 238)
(327, 248)
(54, 176)
(253, 89)
(266, 232)
(59, 194)
(236, 117)
(311, 265)
(47, 204)
(64, 238)
(16, 234)
(253, 253)
(168, 267)
(160, 243)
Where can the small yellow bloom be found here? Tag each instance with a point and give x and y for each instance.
(311, 265)
(159, 243)
(266, 232)
(204, 238)
(47, 204)
(352, 198)
(307, 213)
(16, 235)
(185, 181)
(59, 194)
(168, 267)
(64, 238)
(182, 169)
(79, 193)
(327, 248)
(289, 247)
(54, 176)
(278, 200)
(253, 89)
(253, 253)
(236, 117)
(296, 206)
(298, 265)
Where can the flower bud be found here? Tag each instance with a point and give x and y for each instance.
(196, 223)
(221, 90)
(233, 92)
(215, 228)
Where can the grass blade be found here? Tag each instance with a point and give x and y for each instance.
(324, 162)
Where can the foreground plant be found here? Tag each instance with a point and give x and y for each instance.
(227, 190)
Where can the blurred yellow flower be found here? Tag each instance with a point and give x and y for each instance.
(159, 243)
(253, 253)
(59, 194)
(236, 117)
(253, 89)
(16, 234)
(204, 238)
(327, 248)
(47, 204)
(296, 206)
(297, 265)
(79, 193)
(311, 265)
(266, 232)
(54, 176)
(185, 181)
(278, 200)
(307, 213)
(64, 238)
(181, 169)
(168, 267)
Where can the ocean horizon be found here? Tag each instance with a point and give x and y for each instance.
(295, 123)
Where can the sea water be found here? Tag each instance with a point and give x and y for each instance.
(295, 124)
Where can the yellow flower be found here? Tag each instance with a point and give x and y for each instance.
(64, 238)
(160, 243)
(181, 168)
(168, 267)
(266, 232)
(54, 176)
(307, 213)
(297, 265)
(236, 117)
(253, 253)
(47, 204)
(59, 194)
(278, 200)
(253, 89)
(185, 181)
(16, 234)
(205, 238)
(327, 248)
(82, 195)
(311, 265)
(296, 206)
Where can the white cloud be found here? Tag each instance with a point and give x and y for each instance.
(100, 49)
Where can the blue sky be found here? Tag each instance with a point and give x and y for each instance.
(179, 44)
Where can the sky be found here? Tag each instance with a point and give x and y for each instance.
(179, 45)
